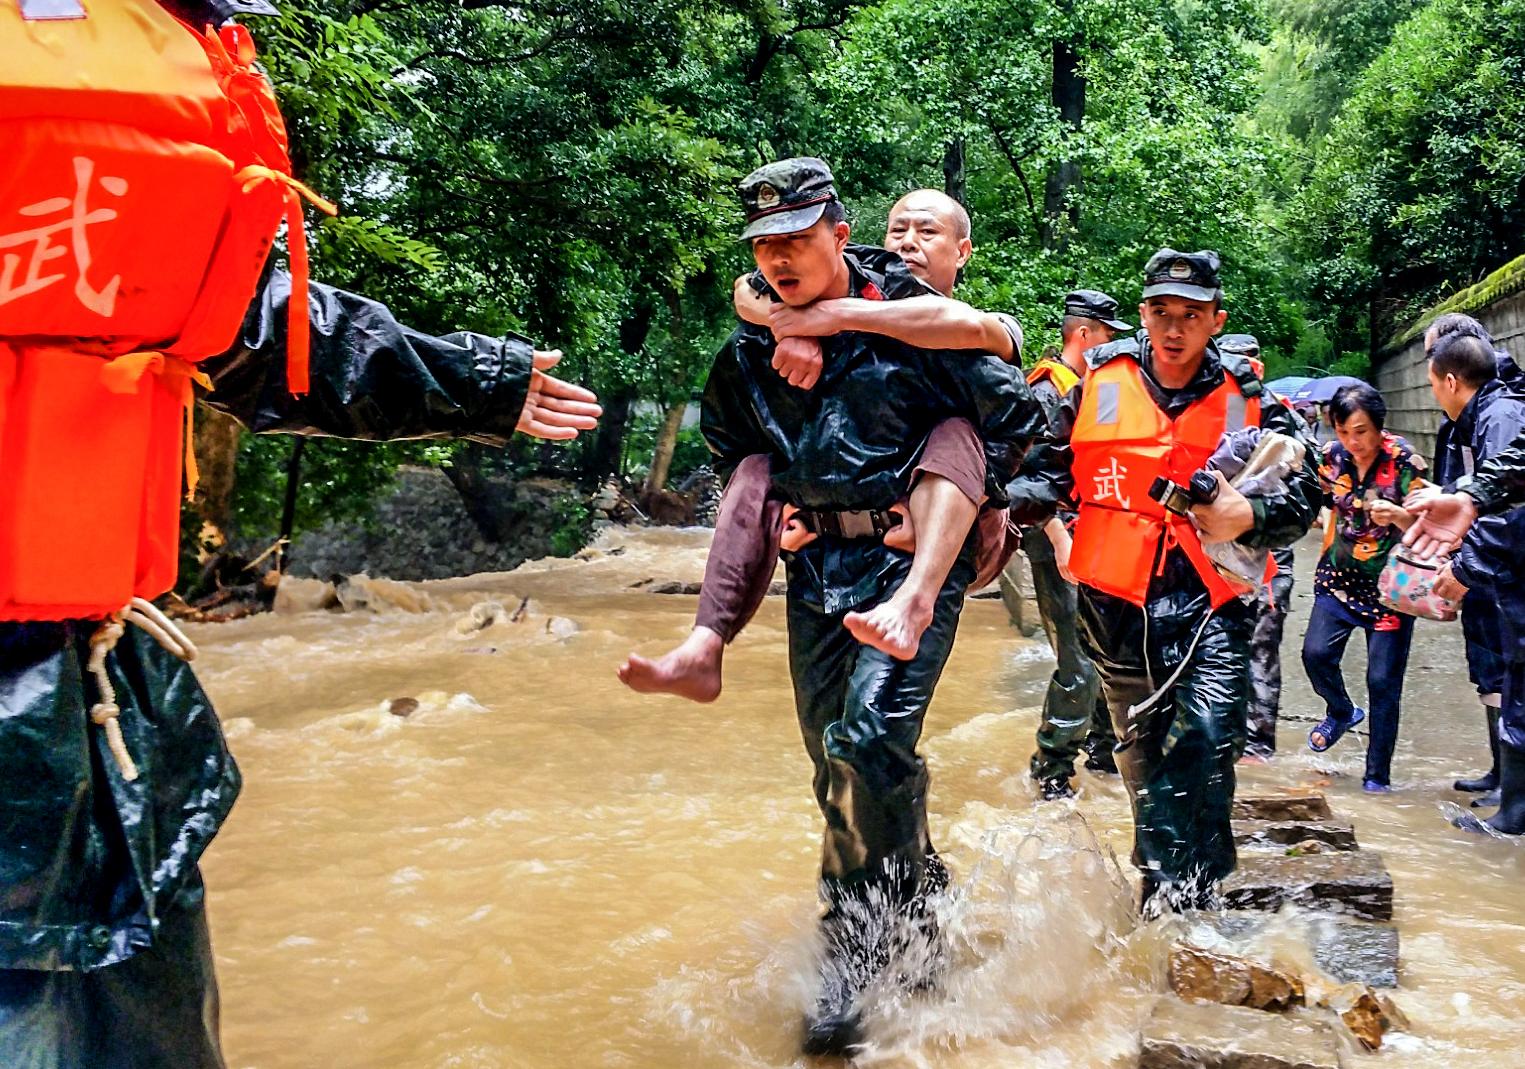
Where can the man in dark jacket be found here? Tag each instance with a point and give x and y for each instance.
(105, 960)
(843, 453)
(1482, 417)
(1169, 636)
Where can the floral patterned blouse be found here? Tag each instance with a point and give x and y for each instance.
(1355, 548)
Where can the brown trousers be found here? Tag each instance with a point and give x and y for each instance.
(744, 551)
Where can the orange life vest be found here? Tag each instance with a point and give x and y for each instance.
(1056, 371)
(145, 178)
(1121, 442)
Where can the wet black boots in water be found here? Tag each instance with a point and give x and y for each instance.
(1510, 819)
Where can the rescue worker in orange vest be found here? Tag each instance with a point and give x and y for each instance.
(145, 179)
(1073, 713)
(1169, 635)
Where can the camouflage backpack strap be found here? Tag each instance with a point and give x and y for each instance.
(1243, 372)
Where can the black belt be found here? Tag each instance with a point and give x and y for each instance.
(855, 523)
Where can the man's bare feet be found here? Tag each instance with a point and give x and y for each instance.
(894, 627)
(691, 670)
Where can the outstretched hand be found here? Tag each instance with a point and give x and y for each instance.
(556, 410)
(1444, 520)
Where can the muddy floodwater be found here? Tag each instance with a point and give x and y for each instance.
(536, 868)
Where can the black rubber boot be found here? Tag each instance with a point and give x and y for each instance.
(835, 1026)
(1490, 800)
(1055, 787)
(1489, 780)
(1101, 760)
(1510, 819)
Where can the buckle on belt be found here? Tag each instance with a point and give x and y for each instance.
(852, 523)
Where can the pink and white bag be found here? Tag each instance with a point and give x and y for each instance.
(1407, 584)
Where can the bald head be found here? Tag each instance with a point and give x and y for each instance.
(930, 231)
(939, 203)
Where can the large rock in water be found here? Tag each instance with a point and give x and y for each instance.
(1183, 1035)
(1282, 807)
(1351, 951)
(1199, 975)
(1354, 882)
(1337, 834)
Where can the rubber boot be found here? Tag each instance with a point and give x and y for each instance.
(1490, 800)
(1053, 788)
(1510, 819)
(1489, 780)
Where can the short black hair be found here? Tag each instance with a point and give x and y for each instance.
(1358, 397)
(1070, 324)
(834, 213)
(1467, 356)
(1460, 324)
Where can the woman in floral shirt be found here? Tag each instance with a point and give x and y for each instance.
(1366, 475)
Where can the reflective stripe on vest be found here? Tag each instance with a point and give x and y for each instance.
(1121, 442)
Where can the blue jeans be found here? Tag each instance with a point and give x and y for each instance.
(1387, 658)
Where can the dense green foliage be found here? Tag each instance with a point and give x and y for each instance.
(565, 167)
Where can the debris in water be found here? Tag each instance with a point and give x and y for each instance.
(403, 707)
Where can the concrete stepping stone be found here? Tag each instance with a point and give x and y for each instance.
(1335, 834)
(1185, 1035)
(1282, 807)
(1353, 882)
(1350, 951)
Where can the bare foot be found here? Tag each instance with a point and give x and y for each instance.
(692, 670)
(895, 627)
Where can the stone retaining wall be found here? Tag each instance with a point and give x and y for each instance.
(1402, 376)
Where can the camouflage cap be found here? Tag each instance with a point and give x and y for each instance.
(1094, 304)
(785, 197)
(1240, 344)
(1193, 275)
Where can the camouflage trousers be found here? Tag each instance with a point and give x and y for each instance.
(1074, 712)
(1271, 607)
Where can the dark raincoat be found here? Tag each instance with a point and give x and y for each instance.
(1487, 562)
(1177, 753)
(104, 957)
(852, 442)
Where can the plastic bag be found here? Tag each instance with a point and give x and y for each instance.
(1255, 462)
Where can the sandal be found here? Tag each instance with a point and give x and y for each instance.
(1331, 730)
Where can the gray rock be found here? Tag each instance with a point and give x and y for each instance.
(1350, 951)
(1353, 952)
(562, 627)
(1354, 882)
(1282, 807)
(673, 586)
(1338, 834)
(1183, 1035)
(1017, 592)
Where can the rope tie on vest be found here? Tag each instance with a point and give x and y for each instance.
(123, 374)
(106, 713)
(298, 330)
